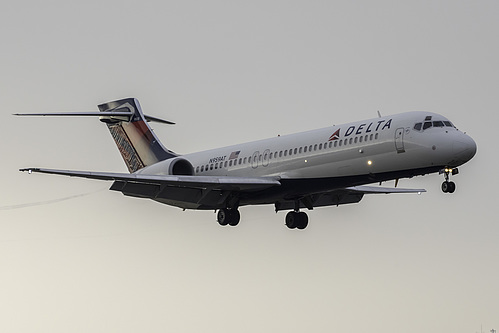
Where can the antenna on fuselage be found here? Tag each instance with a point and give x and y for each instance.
(379, 114)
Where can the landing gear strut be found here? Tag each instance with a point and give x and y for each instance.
(228, 216)
(296, 220)
(448, 186)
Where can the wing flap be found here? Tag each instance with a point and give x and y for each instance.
(383, 190)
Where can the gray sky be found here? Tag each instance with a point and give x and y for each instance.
(229, 72)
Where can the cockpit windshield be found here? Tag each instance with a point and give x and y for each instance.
(428, 123)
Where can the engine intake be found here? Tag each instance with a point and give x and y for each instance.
(181, 167)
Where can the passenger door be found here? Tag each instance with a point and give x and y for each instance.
(399, 140)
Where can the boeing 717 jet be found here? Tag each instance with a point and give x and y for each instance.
(325, 167)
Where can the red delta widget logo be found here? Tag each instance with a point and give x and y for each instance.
(363, 129)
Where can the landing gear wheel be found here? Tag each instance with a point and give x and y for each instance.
(223, 216)
(228, 216)
(452, 187)
(302, 220)
(448, 187)
(291, 220)
(296, 220)
(235, 217)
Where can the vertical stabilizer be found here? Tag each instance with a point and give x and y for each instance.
(136, 141)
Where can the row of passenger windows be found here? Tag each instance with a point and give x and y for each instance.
(267, 155)
(428, 124)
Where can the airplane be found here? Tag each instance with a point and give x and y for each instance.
(331, 166)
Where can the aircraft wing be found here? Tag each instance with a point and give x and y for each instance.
(209, 192)
(341, 196)
(204, 182)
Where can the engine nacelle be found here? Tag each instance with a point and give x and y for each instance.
(180, 167)
(177, 166)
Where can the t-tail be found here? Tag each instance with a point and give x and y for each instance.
(135, 139)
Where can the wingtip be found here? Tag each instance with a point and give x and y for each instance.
(29, 170)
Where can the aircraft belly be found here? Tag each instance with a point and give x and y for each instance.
(292, 189)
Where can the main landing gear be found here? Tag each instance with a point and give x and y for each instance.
(228, 216)
(447, 186)
(296, 220)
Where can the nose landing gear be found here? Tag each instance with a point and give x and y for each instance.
(448, 186)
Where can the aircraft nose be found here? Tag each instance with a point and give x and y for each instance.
(464, 148)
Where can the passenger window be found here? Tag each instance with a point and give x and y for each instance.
(211, 166)
(197, 169)
(315, 147)
(350, 141)
(305, 149)
(371, 137)
(202, 168)
(245, 160)
(299, 151)
(335, 144)
(376, 136)
(355, 140)
(320, 146)
(296, 151)
(240, 161)
(360, 139)
(280, 153)
(230, 163)
(285, 153)
(418, 126)
(341, 142)
(427, 125)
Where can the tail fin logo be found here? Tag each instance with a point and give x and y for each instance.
(335, 136)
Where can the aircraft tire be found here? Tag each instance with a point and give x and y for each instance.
(302, 220)
(291, 220)
(448, 187)
(223, 217)
(234, 217)
(452, 187)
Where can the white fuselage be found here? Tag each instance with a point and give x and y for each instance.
(374, 146)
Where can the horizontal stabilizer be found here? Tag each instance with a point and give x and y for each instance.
(127, 114)
(75, 114)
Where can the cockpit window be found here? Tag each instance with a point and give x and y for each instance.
(429, 124)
